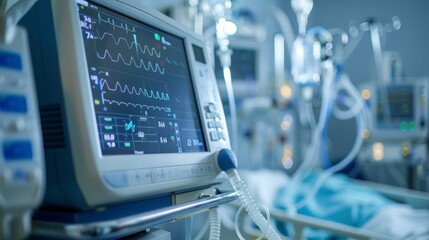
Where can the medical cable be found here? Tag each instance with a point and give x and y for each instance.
(324, 133)
(311, 158)
(227, 161)
(308, 109)
(342, 164)
(315, 141)
(224, 54)
(346, 85)
(358, 112)
(378, 61)
(376, 29)
(232, 107)
(333, 81)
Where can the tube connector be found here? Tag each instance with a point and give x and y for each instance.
(226, 159)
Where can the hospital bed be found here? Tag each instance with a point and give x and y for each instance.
(406, 198)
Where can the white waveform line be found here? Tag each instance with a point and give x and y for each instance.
(112, 22)
(166, 109)
(149, 66)
(130, 46)
(133, 90)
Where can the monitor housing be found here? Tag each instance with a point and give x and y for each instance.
(135, 112)
(407, 107)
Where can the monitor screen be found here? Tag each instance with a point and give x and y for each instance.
(401, 105)
(142, 90)
(243, 65)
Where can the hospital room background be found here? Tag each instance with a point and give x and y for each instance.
(214, 119)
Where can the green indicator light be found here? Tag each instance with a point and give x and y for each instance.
(157, 36)
(127, 144)
(107, 119)
(108, 127)
(165, 48)
(404, 126)
(97, 102)
(411, 126)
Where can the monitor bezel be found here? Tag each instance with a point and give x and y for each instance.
(89, 163)
(192, 88)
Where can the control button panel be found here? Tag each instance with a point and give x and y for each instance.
(13, 103)
(214, 123)
(17, 150)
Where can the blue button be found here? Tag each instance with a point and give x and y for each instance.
(17, 150)
(13, 103)
(116, 179)
(10, 60)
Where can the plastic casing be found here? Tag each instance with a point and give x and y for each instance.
(22, 179)
(89, 165)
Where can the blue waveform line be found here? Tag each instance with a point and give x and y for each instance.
(151, 51)
(133, 90)
(119, 103)
(129, 126)
(114, 25)
(147, 67)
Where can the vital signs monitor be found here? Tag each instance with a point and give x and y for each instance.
(405, 105)
(135, 111)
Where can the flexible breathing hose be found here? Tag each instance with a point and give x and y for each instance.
(359, 114)
(228, 162)
(214, 224)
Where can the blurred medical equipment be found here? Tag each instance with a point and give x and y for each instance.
(306, 52)
(337, 93)
(266, 131)
(407, 106)
(265, 106)
(317, 60)
(396, 139)
(246, 75)
(22, 177)
(378, 29)
(398, 146)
